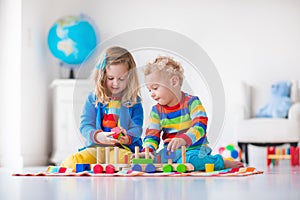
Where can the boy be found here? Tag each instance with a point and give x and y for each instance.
(178, 117)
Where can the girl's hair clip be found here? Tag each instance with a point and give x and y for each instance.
(102, 62)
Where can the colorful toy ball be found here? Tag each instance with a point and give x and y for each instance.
(230, 152)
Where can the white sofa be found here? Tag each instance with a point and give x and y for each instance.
(265, 131)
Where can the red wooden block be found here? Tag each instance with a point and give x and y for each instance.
(126, 160)
(292, 149)
(270, 150)
(158, 159)
(62, 170)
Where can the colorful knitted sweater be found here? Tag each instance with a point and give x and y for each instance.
(106, 116)
(185, 120)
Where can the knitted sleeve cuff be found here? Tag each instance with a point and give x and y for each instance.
(93, 136)
(130, 139)
(186, 138)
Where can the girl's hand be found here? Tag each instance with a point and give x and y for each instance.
(125, 138)
(175, 143)
(104, 138)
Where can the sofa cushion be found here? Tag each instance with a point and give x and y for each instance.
(267, 130)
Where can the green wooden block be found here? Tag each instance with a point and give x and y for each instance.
(142, 161)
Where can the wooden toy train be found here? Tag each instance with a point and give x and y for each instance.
(137, 164)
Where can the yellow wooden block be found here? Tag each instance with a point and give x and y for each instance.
(209, 167)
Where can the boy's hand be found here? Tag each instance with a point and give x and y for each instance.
(175, 143)
(103, 138)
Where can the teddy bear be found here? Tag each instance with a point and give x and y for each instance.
(280, 102)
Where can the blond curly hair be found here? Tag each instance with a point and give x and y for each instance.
(165, 64)
(116, 55)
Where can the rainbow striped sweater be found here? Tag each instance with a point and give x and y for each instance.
(111, 115)
(185, 120)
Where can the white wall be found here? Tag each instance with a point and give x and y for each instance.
(10, 70)
(252, 40)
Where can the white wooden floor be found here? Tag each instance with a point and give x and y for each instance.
(282, 182)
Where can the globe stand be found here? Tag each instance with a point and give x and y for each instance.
(71, 75)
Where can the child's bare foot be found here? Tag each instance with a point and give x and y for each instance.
(232, 164)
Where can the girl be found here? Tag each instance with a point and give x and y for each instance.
(115, 102)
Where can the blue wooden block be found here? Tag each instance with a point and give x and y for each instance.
(83, 167)
(168, 154)
(53, 169)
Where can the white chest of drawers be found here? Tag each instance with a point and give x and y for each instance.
(69, 96)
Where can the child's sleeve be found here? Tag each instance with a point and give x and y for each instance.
(153, 131)
(137, 119)
(88, 120)
(197, 131)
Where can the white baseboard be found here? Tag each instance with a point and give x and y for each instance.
(35, 160)
(14, 162)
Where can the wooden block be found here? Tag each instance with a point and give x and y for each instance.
(146, 152)
(136, 152)
(270, 150)
(183, 154)
(294, 156)
(126, 160)
(275, 156)
(107, 150)
(209, 167)
(116, 155)
(168, 154)
(62, 170)
(158, 159)
(283, 151)
(142, 161)
(98, 156)
(83, 167)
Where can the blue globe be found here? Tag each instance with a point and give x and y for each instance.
(71, 39)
